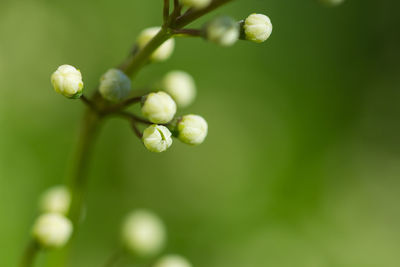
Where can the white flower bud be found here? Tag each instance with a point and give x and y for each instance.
(159, 107)
(192, 129)
(143, 233)
(52, 230)
(223, 31)
(115, 85)
(196, 3)
(332, 2)
(172, 261)
(157, 138)
(67, 80)
(56, 199)
(180, 86)
(257, 28)
(164, 51)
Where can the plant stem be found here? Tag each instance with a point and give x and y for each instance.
(29, 254)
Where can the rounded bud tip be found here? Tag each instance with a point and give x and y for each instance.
(197, 4)
(115, 85)
(56, 199)
(157, 138)
(257, 28)
(172, 261)
(159, 107)
(67, 80)
(180, 86)
(52, 230)
(192, 129)
(223, 31)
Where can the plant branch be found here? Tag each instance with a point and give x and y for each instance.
(166, 10)
(188, 32)
(123, 104)
(133, 117)
(29, 254)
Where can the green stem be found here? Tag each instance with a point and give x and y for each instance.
(29, 254)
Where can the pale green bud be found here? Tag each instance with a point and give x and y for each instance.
(257, 28)
(143, 233)
(67, 80)
(56, 199)
(192, 129)
(52, 230)
(180, 86)
(159, 107)
(164, 51)
(196, 3)
(223, 31)
(115, 85)
(157, 138)
(332, 2)
(172, 261)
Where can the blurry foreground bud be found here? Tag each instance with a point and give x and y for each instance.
(332, 2)
(164, 51)
(159, 107)
(52, 230)
(180, 86)
(257, 28)
(56, 199)
(172, 261)
(196, 3)
(143, 233)
(67, 80)
(157, 138)
(115, 85)
(223, 31)
(192, 129)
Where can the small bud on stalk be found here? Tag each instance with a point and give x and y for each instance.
(115, 85)
(159, 107)
(180, 86)
(143, 233)
(52, 230)
(223, 31)
(67, 80)
(56, 199)
(257, 28)
(172, 261)
(196, 3)
(157, 138)
(192, 129)
(164, 51)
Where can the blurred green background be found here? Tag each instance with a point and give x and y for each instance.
(302, 163)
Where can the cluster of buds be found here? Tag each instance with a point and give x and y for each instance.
(52, 229)
(144, 235)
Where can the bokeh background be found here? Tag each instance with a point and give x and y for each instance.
(302, 163)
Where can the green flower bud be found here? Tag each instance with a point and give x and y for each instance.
(115, 85)
(143, 233)
(172, 261)
(192, 129)
(180, 86)
(157, 138)
(52, 230)
(196, 3)
(223, 31)
(56, 199)
(67, 80)
(164, 51)
(159, 107)
(257, 28)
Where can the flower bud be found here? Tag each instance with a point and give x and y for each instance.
(157, 138)
(67, 80)
(56, 199)
(223, 31)
(159, 107)
(257, 28)
(143, 233)
(192, 129)
(115, 85)
(196, 3)
(172, 261)
(332, 2)
(52, 230)
(164, 51)
(180, 86)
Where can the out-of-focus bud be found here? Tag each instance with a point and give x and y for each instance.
(257, 28)
(196, 3)
(52, 230)
(164, 51)
(172, 261)
(159, 107)
(157, 138)
(115, 85)
(192, 129)
(180, 86)
(143, 233)
(223, 31)
(332, 2)
(56, 199)
(67, 80)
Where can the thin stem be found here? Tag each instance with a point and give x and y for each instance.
(29, 254)
(113, 259)
(133, 117)
(188, 32)
(136, 129)
(124, 104)
(88, 102)
(166, 10)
